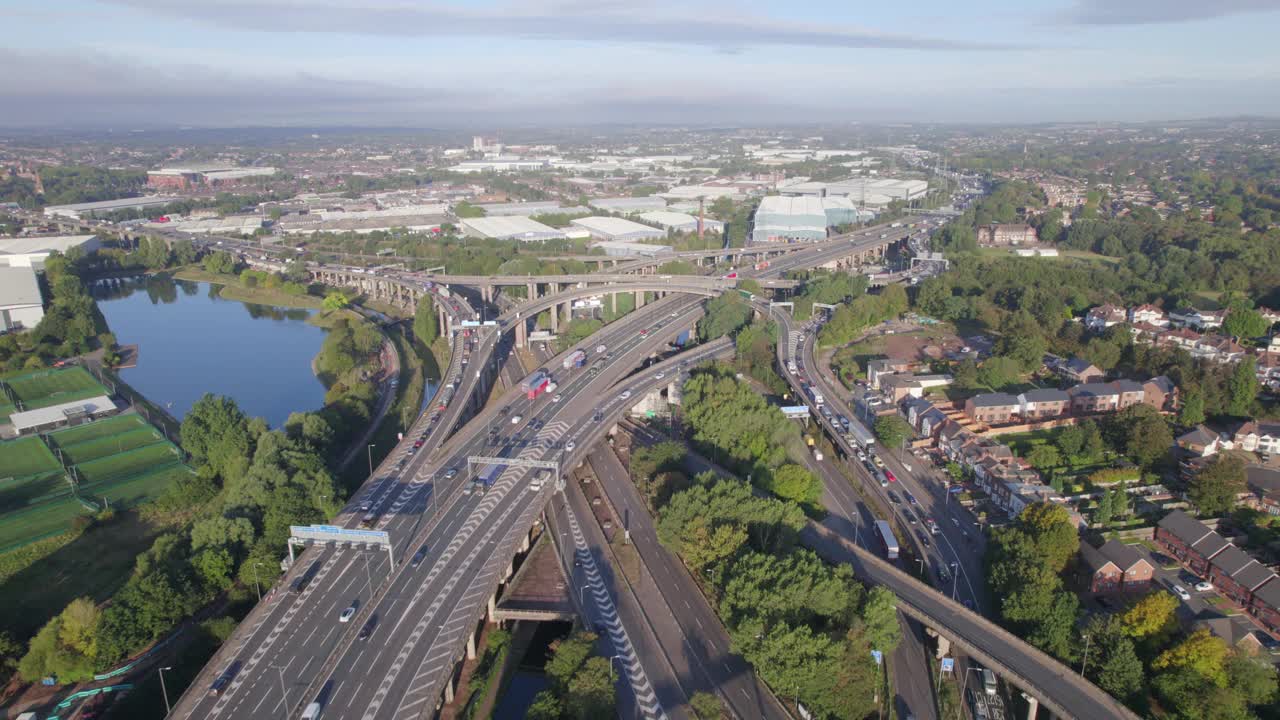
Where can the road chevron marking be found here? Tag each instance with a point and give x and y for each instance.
(646, 698)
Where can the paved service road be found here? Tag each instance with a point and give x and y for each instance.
(691, 634)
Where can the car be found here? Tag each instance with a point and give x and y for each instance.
(659, 375)
(347, 614)
(910, 516)
(944, 575)
(625, 394)
(644, 332)
(557, 398)
(1181, 592)
(417, 443)
(862, 456)
(924, 538)
(876, 459)
(515, 419)
(451, 473)
(364, 507)
(890, 476)
(910, 498)
(600, 349)
(418, 556)
(367, 629)
(570, 446)
(893, 498)
(1204, 586)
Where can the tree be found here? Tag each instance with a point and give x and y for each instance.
(220, 263)
(1192, 411)
(590, 691)
(546, 706)
(425, 326)
(335, 300)
(880, 618)
(1151, 617)
(567, 655)
(706, 546)
(998, 372)
(1245, 323)
(1102, 515)
(1050, 527)
(1071, 441)
(706, 706)
(1044, 456)
(1201, 652)
(793, 482)
(725, 315)
(1242, 386)
(1113, 659)
(1215, 488)
(892, 430)
(1148, 437)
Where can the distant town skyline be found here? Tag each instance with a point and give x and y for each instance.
(418, 63)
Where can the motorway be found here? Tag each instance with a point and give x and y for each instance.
(401, 666)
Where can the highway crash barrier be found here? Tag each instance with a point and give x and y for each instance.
(897, 580)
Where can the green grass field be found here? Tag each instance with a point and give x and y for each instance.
(90, 450)
(26, 456)
(130, 463)
(39, 521)
(97, 429)
(43, 388)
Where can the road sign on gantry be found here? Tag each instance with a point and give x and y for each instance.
(303, 534)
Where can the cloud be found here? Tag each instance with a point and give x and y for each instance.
(607, 22)
(1152, 12)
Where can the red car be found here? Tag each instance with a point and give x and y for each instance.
(889, 474)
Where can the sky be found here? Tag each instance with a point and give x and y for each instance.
(486, 63)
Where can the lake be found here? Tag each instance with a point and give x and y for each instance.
(191, 341)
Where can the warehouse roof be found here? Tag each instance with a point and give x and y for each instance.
(18, 287)
(42, 243)
(803, 205)
(616, 226)
(508, 226)
(108, 205)
(667, 218)
(30, 419)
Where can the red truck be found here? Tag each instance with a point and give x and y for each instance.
(535, 384)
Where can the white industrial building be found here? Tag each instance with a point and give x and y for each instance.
(788, 219)
(529, 209)
(21, 306)
(232, 225)
(499, 165)
(864, 192)
(710, 192)
(618, 248)
(611, 228)
(92, 209)
(681, 222)
(514, 227)
(629, 205)
(32, 251)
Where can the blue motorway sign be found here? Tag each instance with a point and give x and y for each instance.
(948, 664)
(333, 533)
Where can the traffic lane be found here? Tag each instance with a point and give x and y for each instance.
(1051, 681)
(914, 696)
(711, 664)
(647, 648)
(573, 392)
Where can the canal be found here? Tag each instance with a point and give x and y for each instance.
(191, 341)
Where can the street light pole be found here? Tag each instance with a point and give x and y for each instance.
(369, 453)
(1085, 661)
(164, 690)
(256, 585)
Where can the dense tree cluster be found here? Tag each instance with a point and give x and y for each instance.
(71, 324)
(851, 319)
(1025, 563)
(251, 484)
(581, 686)
(725, 315)
(806, 626)
(744, 432)
(70, 184)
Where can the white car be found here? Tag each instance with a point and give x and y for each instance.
(569, 446)
(659, 376)
(1203, 586)
(600, 349)
(625, 394)
(515, 419)
(347, 614)
(555, 398)
(1181, 592)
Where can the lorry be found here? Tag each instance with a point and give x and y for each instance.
(576, 359)
(861, 434)
(535, 384)
(814, 394)
(817, 454)
(488, 475)
(542, 477)
(443, 291)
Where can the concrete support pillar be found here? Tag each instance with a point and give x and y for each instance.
(555, 318)
(568, 311)
(522, 333)
(533, 290)
(1033, 704)
(448, 689)
(674, 394)
(613, 302)
(493, 606)
(511, 568)
(944, 647)
(639, 299)
(471, 645)
(524, 543)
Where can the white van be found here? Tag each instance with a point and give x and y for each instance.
(312, 712)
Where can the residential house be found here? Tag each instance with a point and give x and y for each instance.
(1160, 393)
(1188, 540)
(1149, 314)
(1079, 370)
(914, 408)
(1115, 567)
(1131, 392)
(1265, 605)
(1264, 483)
(1199, 441)
(898, 386)
(1184, 338)
(1199, 319)
(1236, 575)
(1094, 398)
(1269, 370)
(1235, 631)
(1218, 348)
(1007, 234)
(932, 421)
(1043, 403)
(1259, 437)
(992, 408)
(1103, 317)
(880, 367)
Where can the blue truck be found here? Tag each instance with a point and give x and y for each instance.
(488, 475)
